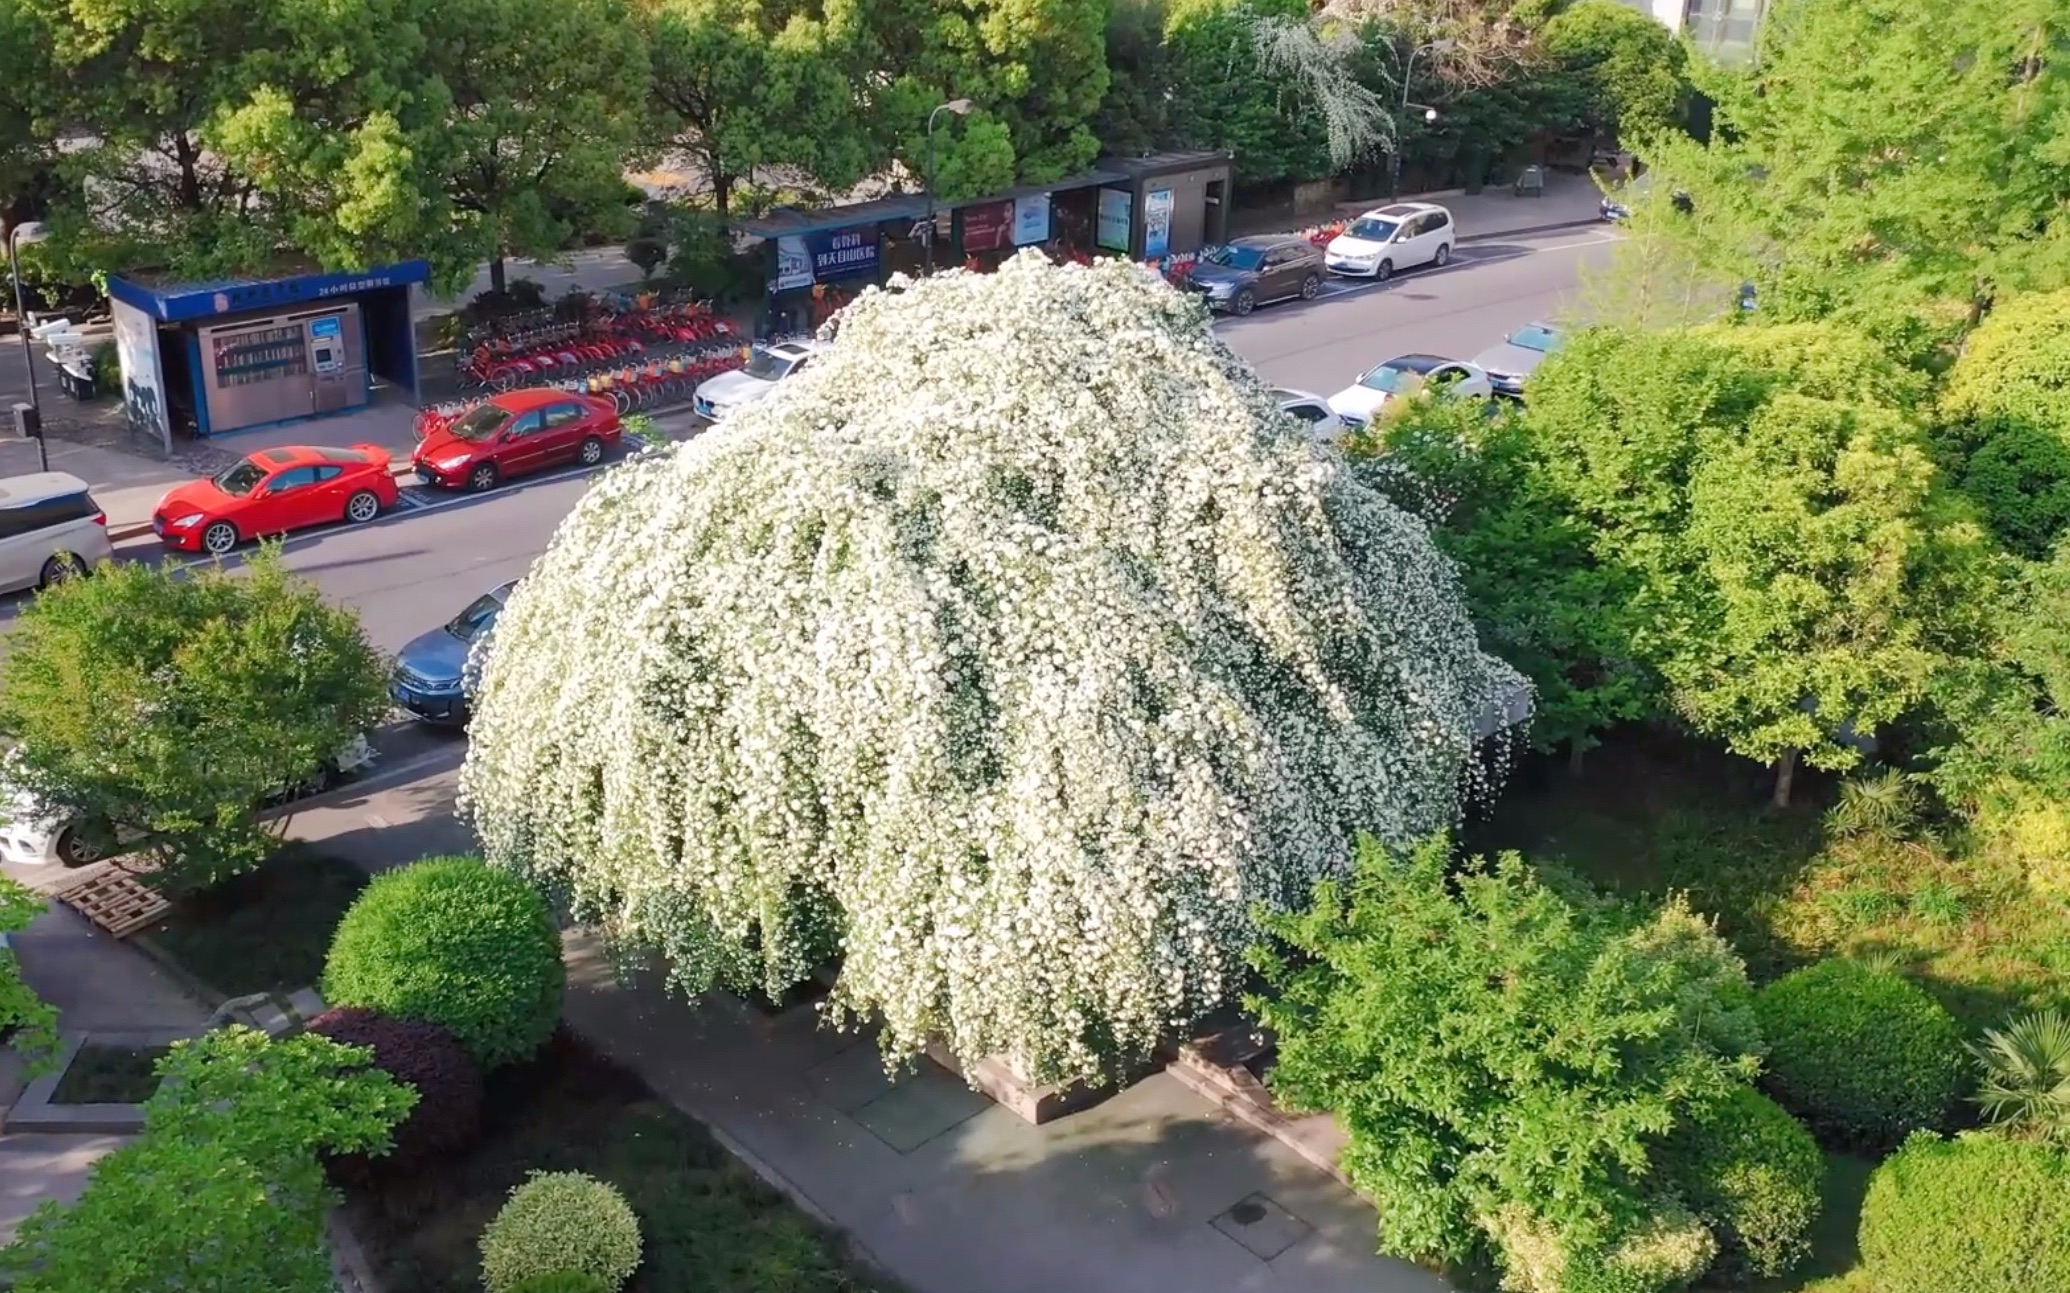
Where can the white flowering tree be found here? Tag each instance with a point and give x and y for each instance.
(1014, 655)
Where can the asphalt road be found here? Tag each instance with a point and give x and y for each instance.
(415, 568)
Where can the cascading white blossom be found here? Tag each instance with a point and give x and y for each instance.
(1010, 654)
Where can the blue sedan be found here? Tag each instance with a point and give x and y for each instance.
(429, 680)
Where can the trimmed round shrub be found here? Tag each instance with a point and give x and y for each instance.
(563, 1282)
(558, 1222)
(453, 942)
(1977, 1214)
(1861, 1054)
(1752, 1173)
(426, 1057)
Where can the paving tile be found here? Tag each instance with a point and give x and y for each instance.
(1262, 1226)
(852, 1078)
(920, 1107)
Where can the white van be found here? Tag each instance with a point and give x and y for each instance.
(1391, 238)
(50, 530)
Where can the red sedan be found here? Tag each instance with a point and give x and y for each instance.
(274, 491)
(515, 433)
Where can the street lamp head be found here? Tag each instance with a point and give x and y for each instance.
(1430, 114)
(27, 232)
(961, 107)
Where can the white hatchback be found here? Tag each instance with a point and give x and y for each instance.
(1405, 375)
(1407, 235)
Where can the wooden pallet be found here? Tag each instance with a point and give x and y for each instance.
(113, 899)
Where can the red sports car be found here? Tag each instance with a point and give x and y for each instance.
(274, 491)
(518, 432)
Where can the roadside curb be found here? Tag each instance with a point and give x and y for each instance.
(1554, 227)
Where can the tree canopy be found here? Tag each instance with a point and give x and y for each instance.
(172, 705)
(998, 680)
(1507, 1055)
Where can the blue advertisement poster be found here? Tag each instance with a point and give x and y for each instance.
(1112, 229)
(1031, 220)
(1157, 223)
(805, 259)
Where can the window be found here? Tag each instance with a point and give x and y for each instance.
(295, 478)
(561, 415)
(480, 614)
(1542, 340)
(327, 472)
(1371, 230)
(528, 424)
(240, 478)
(1238, 258)
(44, 514)
(481, 423)
(1305, 411)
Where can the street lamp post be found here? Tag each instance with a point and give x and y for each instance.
(1394, 183)
(961, 107)
(29, 231)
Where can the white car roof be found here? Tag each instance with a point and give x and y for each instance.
(1402, 211)
(38, 487)
(793, 349)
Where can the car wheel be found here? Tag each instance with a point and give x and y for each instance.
(1310, 286)
(61, 567)
(362, 507)
(483, 477)
(1383, 271)
(75, 849)
(592, 451)
(1245, 302)
(1444, 255)
(219, 538)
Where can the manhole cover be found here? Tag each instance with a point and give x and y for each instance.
(1262, 1226)
(1247, 1213)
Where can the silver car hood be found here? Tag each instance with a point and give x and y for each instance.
(1511, 361)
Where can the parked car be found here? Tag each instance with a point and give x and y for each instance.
(1356, 403)
(767, 367)
(1313, 411)
(1391, 238)
(50, 530)
(37, 834)
(429, 678)
(516, 433)
(1241, 275)
(275, 491)
(1617, 207)
(1519, 355)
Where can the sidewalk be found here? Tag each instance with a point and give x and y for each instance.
(1153, 1191)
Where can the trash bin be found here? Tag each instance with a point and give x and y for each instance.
(76, 380)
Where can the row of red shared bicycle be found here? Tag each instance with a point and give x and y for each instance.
(602, 338)
(643, 383)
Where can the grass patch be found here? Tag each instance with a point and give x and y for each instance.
(266, 930)
(110, 1075)
(709, 1225)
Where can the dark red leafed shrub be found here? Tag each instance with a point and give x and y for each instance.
(422, 1056)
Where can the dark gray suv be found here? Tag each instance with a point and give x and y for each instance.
(1242, 275)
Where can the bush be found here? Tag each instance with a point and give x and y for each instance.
(1752, 1173)
(453, 942)
(1665, 1251)
(563, 1282)
(557, 1222)
(1977, 1214)
(1861, 1054)
(426, 1057)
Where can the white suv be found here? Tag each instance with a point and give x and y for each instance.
(1403, 236)
(50, 530)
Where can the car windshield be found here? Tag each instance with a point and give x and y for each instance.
(481, 422)
(1542, 340)
(480, 614)
(1384, 378)
(1245, 258)
(769, 366)
(1371, 229)
(240, 479)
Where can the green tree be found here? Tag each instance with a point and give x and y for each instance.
(212, 136)
(173, 705)
(25, 81)
(548, 107)
(31, 1021)
(1035, 69)
(1891, 163)
(1770, 491)
(1541, 598)
(737, 84)
(1503, 1052)
(224, 1188)
(1223, 97)
(1135, 117)
(2005, 414)
(1630, 67)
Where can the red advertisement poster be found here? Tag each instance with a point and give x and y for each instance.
(988, 227)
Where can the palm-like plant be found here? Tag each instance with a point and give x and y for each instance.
(2026, 1086)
